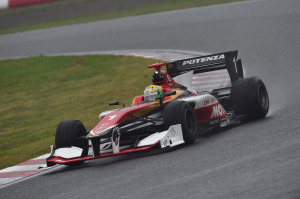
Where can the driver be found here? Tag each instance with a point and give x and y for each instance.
(153, 93)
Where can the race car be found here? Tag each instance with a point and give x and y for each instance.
(193, 94)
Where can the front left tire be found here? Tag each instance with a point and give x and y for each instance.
(180, 112)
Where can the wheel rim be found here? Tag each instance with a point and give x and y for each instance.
(189, 121)
(263, 96)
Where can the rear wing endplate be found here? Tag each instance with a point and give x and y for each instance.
(225, 60)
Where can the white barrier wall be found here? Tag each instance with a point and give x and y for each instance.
(3, 4)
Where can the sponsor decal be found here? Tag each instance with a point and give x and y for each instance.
(116, 135)
(224, 121)
(102, 126)
(169, 66)
(169, 80)
(223, 124)
(105, 130)
(218, 111)
(166, 142)
(204, 59)
(209, 101)
(206, 102)
(214, 122)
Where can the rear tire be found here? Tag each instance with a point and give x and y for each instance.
(71, 133)
(249, 97)
(180, 112)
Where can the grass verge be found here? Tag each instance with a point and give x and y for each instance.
(43, 11)
(39, 92)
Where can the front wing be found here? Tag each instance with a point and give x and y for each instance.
(69, 155)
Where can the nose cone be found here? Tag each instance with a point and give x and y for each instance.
(99, 132)
(91, 134)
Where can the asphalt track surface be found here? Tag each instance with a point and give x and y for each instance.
(258, 159)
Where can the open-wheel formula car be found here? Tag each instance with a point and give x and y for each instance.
(207, 91)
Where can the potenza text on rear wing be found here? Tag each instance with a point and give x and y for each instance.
(225, 60)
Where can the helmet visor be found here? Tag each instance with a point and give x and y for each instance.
(150, 96)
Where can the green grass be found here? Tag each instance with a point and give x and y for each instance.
(112, 14)
(39, 92)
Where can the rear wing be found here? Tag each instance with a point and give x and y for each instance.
(208, 63)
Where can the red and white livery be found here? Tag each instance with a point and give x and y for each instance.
(171, 118)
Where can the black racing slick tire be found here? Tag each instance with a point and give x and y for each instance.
(180, 112)
(71, 133)
(249, 97)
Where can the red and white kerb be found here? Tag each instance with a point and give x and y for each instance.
(4, 4)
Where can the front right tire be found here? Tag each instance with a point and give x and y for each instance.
(71, 133)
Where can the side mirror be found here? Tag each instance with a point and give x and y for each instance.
(115, 103)
(170, 93)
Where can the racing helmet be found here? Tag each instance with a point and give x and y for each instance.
(158, 76)
(153, 93)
